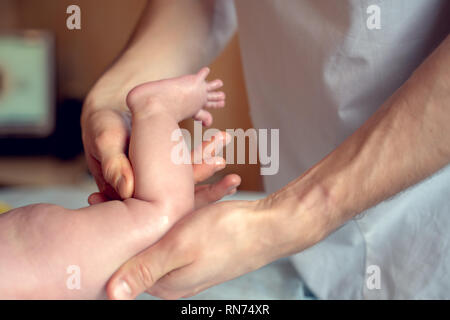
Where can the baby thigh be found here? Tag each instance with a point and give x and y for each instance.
(32, 243)
(49, 252)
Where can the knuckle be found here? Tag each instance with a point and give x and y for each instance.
(109, 165)
(103, 138)
(215, 193)
(108, 136)
(144, 274)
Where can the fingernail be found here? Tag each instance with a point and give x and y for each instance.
(122, 291)
(220, 165)
(123, 187)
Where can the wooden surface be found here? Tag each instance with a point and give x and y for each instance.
(82, 56)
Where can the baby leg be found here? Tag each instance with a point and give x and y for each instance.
(38, 243)
(156, 109)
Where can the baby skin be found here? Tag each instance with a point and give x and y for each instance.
(41, 245)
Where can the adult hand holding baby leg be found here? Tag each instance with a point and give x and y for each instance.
(215, 244)
(205, 193)
(105, 115)
(105, 137)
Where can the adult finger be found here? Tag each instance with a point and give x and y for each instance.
(206, 194)
(106, 141)
(206, 155)
(143, 271)
(97, 197)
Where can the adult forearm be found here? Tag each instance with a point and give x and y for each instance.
(405, 141)
(171, 38)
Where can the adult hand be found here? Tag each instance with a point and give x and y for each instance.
(212, 245)
(209, 246)
(106, 136)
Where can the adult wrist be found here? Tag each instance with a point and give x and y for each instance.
(300, 215)
(99, 99)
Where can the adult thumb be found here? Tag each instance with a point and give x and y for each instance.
(118, 173)
(136, 276)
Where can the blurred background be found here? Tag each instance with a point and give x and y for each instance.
(46, 71)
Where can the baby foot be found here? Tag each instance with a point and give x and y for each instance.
(215, 99)
(183, 97)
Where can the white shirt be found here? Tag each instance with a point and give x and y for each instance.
(315, 70)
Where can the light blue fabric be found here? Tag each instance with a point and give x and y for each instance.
(278, 280)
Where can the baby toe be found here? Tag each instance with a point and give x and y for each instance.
(214, 85)
(215, 104)
(203, 73)
(205, 117)
(216, 96)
